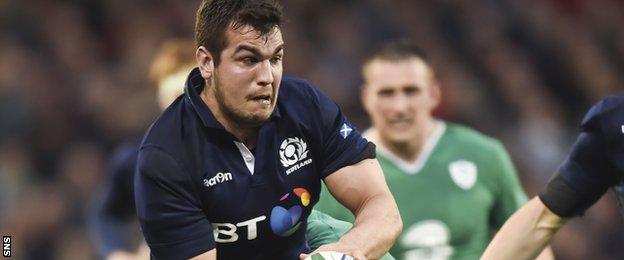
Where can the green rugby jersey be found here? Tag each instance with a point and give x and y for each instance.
(462, 187)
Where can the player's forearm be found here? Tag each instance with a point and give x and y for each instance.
(376, 227)
(525, 234)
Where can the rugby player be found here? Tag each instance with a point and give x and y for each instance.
(114, 212)
(454, 186)
(594, 164)
(232, 169)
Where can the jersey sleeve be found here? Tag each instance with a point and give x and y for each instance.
(342, 143)
(113, 209)
(170, 213)
(586, 173)
(510, 196)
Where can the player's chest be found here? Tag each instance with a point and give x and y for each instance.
(449, 197)
(442, 199)
(440, 180)
(279, 174)
(438, 218)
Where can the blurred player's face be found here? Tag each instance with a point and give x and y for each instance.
(169, 87)
(245, 84)
(399, 97)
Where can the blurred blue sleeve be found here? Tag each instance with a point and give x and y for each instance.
(113, 210)
(588, 171)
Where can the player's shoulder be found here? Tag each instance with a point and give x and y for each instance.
(166, 131)
(607, 110)
(292, 83)
(294, 90)
(298, 96)
(470, 138)
(162, 146)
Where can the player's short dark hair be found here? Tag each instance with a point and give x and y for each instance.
(214, 16)
(397, 50)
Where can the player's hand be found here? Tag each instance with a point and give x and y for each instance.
(356, 253)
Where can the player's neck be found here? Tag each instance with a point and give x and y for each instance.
(409, 151)
(248, 135)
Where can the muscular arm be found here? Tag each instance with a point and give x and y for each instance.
(511, 195)
(525, 234)
(362, 189)
(355, 180)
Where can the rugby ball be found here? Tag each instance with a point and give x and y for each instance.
(329, 255)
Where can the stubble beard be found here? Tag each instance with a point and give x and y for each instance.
(237, 116)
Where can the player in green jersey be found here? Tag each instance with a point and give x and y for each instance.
(454, 186)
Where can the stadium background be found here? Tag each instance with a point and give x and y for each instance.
(73, 85)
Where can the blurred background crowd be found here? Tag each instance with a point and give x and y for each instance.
(74, 84)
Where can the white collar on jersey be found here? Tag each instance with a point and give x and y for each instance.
(405, 166)
(248, 157)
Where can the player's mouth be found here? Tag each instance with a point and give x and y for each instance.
(264, 99)
(401, 123)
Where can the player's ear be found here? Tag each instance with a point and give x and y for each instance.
(205, 62)
(436, 94)
(364, 92)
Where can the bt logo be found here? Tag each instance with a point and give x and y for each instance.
(226, 232)
(284, 222)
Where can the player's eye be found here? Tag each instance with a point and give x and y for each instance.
(276, 59)
(250, 60)
(411, 90)
(385, 93)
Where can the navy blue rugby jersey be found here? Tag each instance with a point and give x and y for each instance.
(594, 164)
(198, 187)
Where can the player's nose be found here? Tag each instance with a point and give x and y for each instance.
(400, 104)
(265, 73)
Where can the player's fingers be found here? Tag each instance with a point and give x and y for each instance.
(358, 255)
(303, 256)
